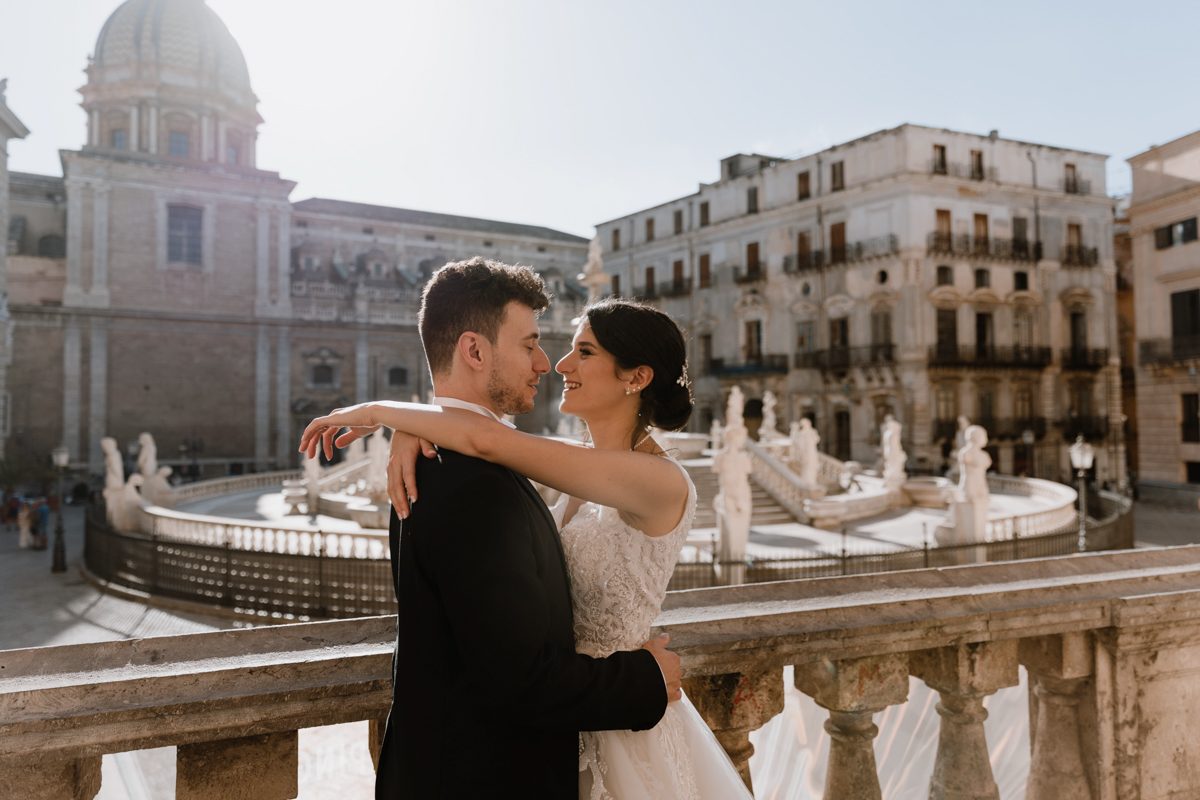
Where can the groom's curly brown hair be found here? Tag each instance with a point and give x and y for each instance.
(471, 296)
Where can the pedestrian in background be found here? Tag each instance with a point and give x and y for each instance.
(43, 523)
(10, 512)
(24, 525)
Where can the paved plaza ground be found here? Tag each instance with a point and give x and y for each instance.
(41, 609)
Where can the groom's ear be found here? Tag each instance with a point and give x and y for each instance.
(470, 350)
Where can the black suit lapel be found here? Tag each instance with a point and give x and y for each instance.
(547, 519)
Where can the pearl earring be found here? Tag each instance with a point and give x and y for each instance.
(627, 392)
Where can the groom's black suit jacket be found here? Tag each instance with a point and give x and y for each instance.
(488, 694)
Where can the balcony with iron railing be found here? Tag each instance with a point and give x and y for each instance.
(842, 358)
(1176, 350)
(1078, 256)
(986, 356)
(996, 427)
(955, 169)
(967, 246)
(755, 273)
(1084, 358)
(1088, 427)
(865, 250)
(1076, 186)
(753, 364)
(675, 288)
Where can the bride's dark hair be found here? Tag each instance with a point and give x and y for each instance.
(637, 334)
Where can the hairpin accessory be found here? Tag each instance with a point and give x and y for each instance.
(683, 378)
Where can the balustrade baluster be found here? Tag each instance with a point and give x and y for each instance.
(852, 691)
(78, 779)
(1060, 668)
(734, 705)
(963, 675)
(250, 768)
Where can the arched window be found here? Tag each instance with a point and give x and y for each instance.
(184, 224)
(179, 144)
(51, 246)
(397, 376)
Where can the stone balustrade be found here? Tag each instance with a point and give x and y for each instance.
(1111, 642)
(233, 485)
(778, 480)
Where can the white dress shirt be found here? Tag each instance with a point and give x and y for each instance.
(454, 402)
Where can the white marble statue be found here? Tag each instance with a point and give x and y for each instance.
(563, 428)
(768, 430)
(716, 435)
(967, 521)
(114, 467)
(147, 460)
(378, 451)
(960, 441)
(806, 461)
(312, 478)
(593, 276)
(733, 502)
(894, 457)
(734, 408)
(157, 488)
(973, 464)
(124, 505)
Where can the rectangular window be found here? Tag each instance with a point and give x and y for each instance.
(678, 222)
(803, 251)
(947, 331)
(1021, 281)
(943, 222)
(1163, 237)
(1074, 236)
(981, 233)
(1023, 403)
(939, 159)
(677, 275)
(650, 282)
(1023, 330)
(983, 278)
(1020, 228)
(1179, 233)
(178, 144)
(752, 200)
(705, 276)
(802, 190)
(947, 402)
(231, 154)
(804, 337)
(881, 327)
(1191, 417)
(1079, 337)
(837, 176)
(1193, 471)
(1185, 314)
(705, 352)
(184, 226)
(1187, 231)
(986, 403)
(118, 140)
(976, 165)
(753, 265)
(754, 340)
(616, 239)
(397, 376)
(945, 276)
(985, 337)
(1070, 182)
(837, 243)
(650, 230)
(704, 214)
(839, 333)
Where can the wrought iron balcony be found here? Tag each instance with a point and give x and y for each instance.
(836, 358)
(1169, 351)
(879, 247)
(997, 428)
(1087, 427)
(675, 288)
(1076, 256)
(752, 274)
(956, 169)
(755, 364)
(648, 292)
(1089, 358)
(984, 356)
(1076, 186)
(978, 247)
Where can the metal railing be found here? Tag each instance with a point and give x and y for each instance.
(1076, 186)
(675, 288)
(1078, 256)
(958, 169)
(846, 357)
(1087, 427)
(1085, 358)
(979, 247)
(754, 364)
(752, 274)
(984, 356)
(879, 247)
(1169, 351)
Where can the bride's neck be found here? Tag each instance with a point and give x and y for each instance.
(614, 432)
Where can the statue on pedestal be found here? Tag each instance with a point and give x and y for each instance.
(114, 479)
(960, 441)
(312, 477)
(377, 455)
(125, 516)
(147, 460)
(155, 486)
(356, 451)
(967, 520)
(733, 502)
(894, 457)
(806, 461)
(767, 431)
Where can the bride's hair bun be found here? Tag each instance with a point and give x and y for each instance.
(637, 334)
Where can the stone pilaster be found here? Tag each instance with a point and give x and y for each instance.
(97, 395)
(134, 129)
(152, 132)
(963, 675)
(99, 291)
(1059, 668)
(262, 398)
(285, 447)
(251, 768)
(72, 385)
(262, 283)
(362, 361)
(734, 705)
(283, 260)
(73, 291)
(852, 691)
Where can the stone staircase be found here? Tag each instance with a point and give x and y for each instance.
(766, 510)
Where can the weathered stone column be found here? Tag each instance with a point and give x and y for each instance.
(1058, 667)
(853, 690)
(250, 768)
(963, 675)
(734, 705)
(62, 780)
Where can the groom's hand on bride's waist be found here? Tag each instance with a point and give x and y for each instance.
(669, 663)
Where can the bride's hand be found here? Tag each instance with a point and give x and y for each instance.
(402, 470)
(321, 432)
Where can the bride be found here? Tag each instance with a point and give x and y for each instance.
(624, 516)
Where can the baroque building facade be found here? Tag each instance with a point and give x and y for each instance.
(920, 272)
(1163, 246)
(10, 128)
(166, 283)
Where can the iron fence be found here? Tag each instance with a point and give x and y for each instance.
(1169, 351)
(941, 243)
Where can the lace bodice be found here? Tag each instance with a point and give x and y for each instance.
(619, 575)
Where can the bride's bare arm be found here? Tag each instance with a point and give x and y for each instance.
(648, 489)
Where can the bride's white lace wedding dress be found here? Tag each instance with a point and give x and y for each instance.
(619, 578)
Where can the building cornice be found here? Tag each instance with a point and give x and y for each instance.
(44, 312)
(1159, 203)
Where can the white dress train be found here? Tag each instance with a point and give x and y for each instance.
(619, 578)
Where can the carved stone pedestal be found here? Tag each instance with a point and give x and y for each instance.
(60, 780)
(963, 675)
(251, 768)
(734, 705)
(853, 690)
(1059, 667)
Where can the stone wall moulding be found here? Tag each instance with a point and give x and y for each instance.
(838, 306)
(945, 297)
(750, 302)
(1077, 297)
(805, 308)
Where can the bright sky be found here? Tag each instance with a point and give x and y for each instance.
(567, 114)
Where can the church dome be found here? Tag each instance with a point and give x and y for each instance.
(180, 42)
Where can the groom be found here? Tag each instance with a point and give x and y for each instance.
(488, 692)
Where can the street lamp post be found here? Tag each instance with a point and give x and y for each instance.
(1082, 454)
(62, 457)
